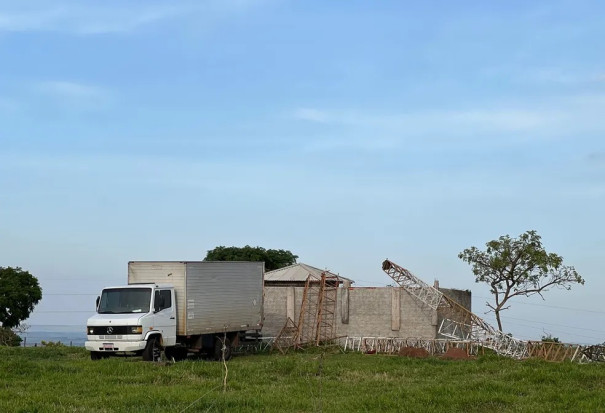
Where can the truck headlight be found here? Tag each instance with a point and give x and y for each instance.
(136, 330)
(90, 331)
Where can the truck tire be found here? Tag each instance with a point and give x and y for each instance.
(95, 355)
(218, 348)
(153, 350)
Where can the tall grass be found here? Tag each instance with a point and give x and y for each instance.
(64, 379)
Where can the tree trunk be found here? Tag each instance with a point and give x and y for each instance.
(498, 319)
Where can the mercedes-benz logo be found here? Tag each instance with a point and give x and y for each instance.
(109, 330)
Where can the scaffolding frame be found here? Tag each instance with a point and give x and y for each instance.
(286, 338)
(317, 318)
(326, 312)
(308, 319)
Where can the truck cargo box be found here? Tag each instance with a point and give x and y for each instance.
(211, 296)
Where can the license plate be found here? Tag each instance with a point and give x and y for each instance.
(107, 346)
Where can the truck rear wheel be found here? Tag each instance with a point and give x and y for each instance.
(153, 351)
(218, 348)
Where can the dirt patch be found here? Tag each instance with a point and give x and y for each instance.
(413, 352)
(454, 353)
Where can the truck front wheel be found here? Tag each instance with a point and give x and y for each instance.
(153, 351)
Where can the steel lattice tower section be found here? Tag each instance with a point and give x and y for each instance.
(458, 323)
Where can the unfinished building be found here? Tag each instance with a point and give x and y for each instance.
(346, 310)
(391, 319)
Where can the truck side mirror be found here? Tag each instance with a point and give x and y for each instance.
(97, 302)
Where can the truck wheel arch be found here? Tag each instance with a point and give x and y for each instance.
(153, 348)
(156, 335)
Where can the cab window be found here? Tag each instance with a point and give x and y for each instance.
(163, 300)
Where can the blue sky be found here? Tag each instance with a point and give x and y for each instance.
(346, 132)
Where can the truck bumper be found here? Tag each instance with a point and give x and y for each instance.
(115, 346)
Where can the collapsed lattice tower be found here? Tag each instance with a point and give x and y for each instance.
(458, 323)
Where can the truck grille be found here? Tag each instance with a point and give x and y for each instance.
(110, 330)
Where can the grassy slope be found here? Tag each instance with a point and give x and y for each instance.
(64, 379)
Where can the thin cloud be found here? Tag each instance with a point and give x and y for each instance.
(597, 158)
(74, 94)
(558, 76)
(71, 89)
(312, 115)
(599, 77)
(498, 120)
(83, 20)
(106, 18)
(563, 116)
(8, 105)
(554, 75)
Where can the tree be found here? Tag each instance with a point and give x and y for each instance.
(518, 267)
(273, 259)
(19, 293)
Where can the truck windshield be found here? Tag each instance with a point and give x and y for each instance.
(125, 300)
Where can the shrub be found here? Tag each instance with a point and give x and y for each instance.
(52, 344)
(9, 338)
(550, 339)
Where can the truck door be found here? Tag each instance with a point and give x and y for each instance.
(165, 316)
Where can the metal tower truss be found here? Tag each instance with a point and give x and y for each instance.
(392, 345)
(457, 323)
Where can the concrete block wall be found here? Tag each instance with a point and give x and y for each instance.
(379, 311)
(275, 311)
(462, 297)
(385, 312)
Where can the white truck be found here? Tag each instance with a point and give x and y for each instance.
(179, 307)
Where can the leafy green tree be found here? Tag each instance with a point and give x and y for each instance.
(19, 293)
(274, 259)
(518, 267)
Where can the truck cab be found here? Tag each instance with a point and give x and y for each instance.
(134, 319)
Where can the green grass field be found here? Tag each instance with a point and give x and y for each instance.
(64, 379)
